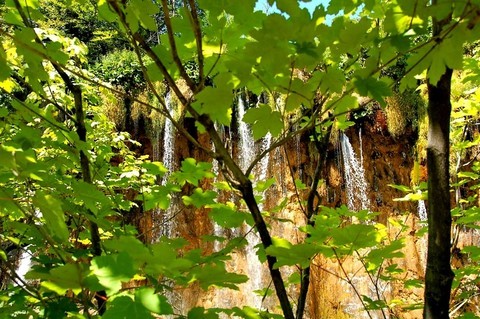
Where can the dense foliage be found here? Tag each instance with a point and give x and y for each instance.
(69, 182)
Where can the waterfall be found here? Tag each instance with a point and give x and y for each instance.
(156, 146)
(168, 160)
(422, 210)
(263, 169)
(246, 144)
(361, 146)
(355, 184)
(246, 151)
(168, 140)
(217, 229)
(422, 243)
(24, 266)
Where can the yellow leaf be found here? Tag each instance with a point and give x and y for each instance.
(8, 85)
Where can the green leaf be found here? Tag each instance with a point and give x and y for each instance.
(202, 313)
(153, 301)
(264, 120)
(412, 197)
(376, 89)
(67, 277)
(90, 196)
(436, 70)
(112, 270)
(4, 68)
(373, 304)
(294, 278)
(413, 283)
(468, 315)
(377, 256)
(290, 7)
(124, 307)
(300, 185)
(51, 209)
(289, 255)
(105, 12)
(402, 188)
(192, 172)
(131, 246)
(470, 175)
(60, 307)
(164, 259)
(216, 102)
(332, 81)
(344, 104)
(159, 196)
(262, 186)
(155, 168)
(473, 252)
(227, 215)
(144, 10)
(199, 198)
(353, 34)
(355, 236)
(216, 275)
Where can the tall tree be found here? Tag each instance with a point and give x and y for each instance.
(439, 275)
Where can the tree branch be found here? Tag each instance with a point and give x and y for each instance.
(173, 46)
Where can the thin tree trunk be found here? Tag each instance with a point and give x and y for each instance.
(312, 209)
(439, 275)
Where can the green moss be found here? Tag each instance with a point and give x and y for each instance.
(404, 110)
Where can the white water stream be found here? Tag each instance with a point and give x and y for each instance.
(356, 189)
(356, 185)
(168, 160)
(168, 141)
(246, 145)
(24, 266)
(422, 210)
(247, 153)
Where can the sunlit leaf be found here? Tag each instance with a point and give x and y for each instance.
(227, 215)
(152, 301)
(215, 275)
(51, 210)
(199, 198)
(192, 172)
(67, 277)
(216, 102)
(112, 270)
(263, 121)
(126, 307)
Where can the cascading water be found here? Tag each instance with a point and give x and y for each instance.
(217, 230)
(168, 160)
(422, 210)
(262, 171)
(24, 266)
(361, 145)
(422, 241)
(356, 188)
(355, 183)
(168, 140)
(247, 154)
(156, 146)
(246, 143)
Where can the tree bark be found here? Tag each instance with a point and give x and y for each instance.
(439, 275)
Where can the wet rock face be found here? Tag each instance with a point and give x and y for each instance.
(386, 160)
